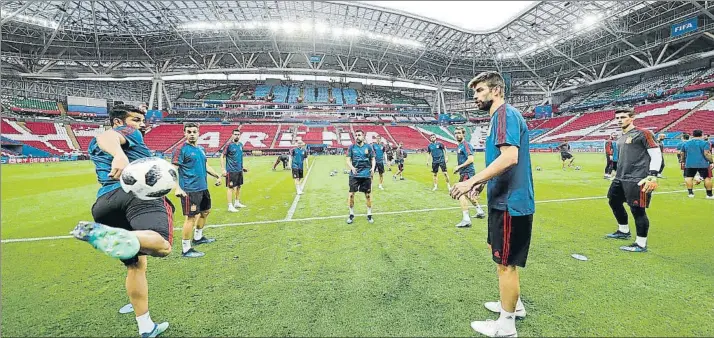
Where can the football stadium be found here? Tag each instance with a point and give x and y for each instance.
(357, 168)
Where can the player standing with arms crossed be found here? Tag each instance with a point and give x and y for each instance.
(438, 160)
(636, 179)
(698, 160)
(298, 159)
(232, 168)
(191, 163)
(511, 203)
(378, 147)
(466, 170)
(134, 227)
(360, 160)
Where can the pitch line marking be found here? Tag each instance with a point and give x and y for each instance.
(291, 211)
(320, 218)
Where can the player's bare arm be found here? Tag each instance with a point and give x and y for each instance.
(110, 141)
(374, 163)
(223, 165)
(178, 191)
(507, 159)
(349, 165)
(708, 156)
(213, 173)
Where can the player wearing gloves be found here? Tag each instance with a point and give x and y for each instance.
(639, 163)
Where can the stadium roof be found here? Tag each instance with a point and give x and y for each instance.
(545, 46)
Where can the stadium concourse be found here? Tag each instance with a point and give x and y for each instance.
(314, 250)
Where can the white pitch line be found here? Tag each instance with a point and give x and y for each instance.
(17, 240)
(291, 211)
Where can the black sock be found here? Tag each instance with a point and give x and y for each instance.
(619, 211)
(690, 191)
(709, 193)
(642, 222)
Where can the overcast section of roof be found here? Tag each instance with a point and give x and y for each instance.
(475, 16)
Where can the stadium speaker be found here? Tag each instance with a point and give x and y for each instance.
(355, 85)
(272, 82)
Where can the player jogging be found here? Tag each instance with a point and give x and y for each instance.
(390, 155)
(298, 159)
(698, 160)
(284, 158)
(379, 147)
(438, 160)
(232, 168)
(565, 154)
(511, 202)
(361, 162)
(399, 156)
(190, 161)
(640, 159)
(610, 147)
(465, 169)
(134, 227)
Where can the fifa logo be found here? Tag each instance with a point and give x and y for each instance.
(684, 27)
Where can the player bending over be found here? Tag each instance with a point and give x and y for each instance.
(439, 159)
(126, 224)
(610, 148)
(639, 163)
(361, 162)
(511, 202)
(379, 149)
(466, 170)
(191, 163)
(698, 161)
(284, 158)
(399, 156)
(298, 159)
(232, 168)
(565, 154)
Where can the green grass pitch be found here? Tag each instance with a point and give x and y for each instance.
(411, 273)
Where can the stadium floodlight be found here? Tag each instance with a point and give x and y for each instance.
(32, 20)
(352, 32)
(289, 27)
(337, 32)
(274, 26)
(306, 26)
(320, 28)
(589, 22)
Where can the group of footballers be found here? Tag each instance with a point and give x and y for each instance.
(128, 228)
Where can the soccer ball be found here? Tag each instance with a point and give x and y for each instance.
(577, 167)
(538, 168)
(149, 178)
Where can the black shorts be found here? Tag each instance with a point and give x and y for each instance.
(630, 192)
(361, 184)
(614, 165)
(400, 165)
(123, 210)
(509, 237)
(297, 173)
(565, 156)
(435, 167)
(234, 179)
(703, 172)
(464, 177)
(379, 167)
(196, 202)
(390, 158)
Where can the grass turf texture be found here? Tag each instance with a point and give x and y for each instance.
(409, 274)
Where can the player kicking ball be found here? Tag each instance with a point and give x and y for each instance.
(565, 154)
(191, 164)
(511, 202)
(298, 159)
(361, 162)
(127, 227)
(439, 160)
(232, 168)
(465, 169)
(636, 179)
(379, 150)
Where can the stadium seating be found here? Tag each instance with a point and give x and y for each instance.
(294, 94)
(322, 95)
(580, 127)
(350, 95)
(280, 93)
(8, 129)
(262, 91)
(41, 128)
(410, 137)
(554, 122)
(255, 134)
(84, 133)
(337, 94)
(35, 105)
(702, 119)
(163, 136)
(705, 80)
